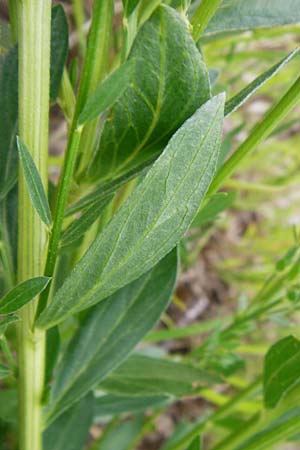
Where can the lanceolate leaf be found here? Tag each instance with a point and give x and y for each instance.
(241, 15)
(110, 332)
(151, 222)
(170, 81)
(22, 294)
(238, 100)
(70, 431)
(281, 370)
(114, 405)
(107, 92)
(142, 375)
(79, 226)
(34, 184)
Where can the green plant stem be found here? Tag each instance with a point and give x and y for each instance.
(93, 65)
(95, 69)
(79, 17)
(34, 20)
(202, 16)
(259, 133)
(13, 19)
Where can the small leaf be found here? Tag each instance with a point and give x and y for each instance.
(79, 226)
(151, 222)
(242, 15)
(281, 370)
(114, 405)
(129, 6)
(107, 93)
(142, 375)
(22, 294)
(122, 436)
(216, 205)
(70, 431)
(4, 372)
(34, 183)
(4, 323)
(110, 332)
(238, 100)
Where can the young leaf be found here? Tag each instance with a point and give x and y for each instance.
(110, 332)
(114, 405)
(217, 204)
(79, 226)
(170, 81)
(151, 222)
(142, 375)
(107, 93)
(22, 294)
(281, 370)
(70, 431)
(4, 371)
(242, 15)
(59, 48)
(34, 183)
(238, 100)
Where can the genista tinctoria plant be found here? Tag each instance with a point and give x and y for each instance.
(89, 263)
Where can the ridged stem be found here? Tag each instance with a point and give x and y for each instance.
(34, 20)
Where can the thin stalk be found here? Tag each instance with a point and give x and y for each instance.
(202, 16)
(93, 65)
(95, 69)
(34, 20)
(79, 17)
(13, 19)
(259, 133)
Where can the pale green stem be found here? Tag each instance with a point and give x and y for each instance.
(79, 17)
(202, 16)
(34, 21)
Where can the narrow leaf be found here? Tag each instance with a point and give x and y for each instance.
(142, 375)
(110, 332)
(122, 436)
(22, 294)
(164, 91)
(107, 93)
(151, 222)
(281, 370)
(129, 6)
(59, 48)
(238, 100)
(195, 445)
(79, 226)
(216, 205)
(114, 405)
(4, 372)
(242, 15)
(4, 323)
(34, 183)
(70, 431)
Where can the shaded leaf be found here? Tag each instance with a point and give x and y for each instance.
(141, 375)
(170, 81)
(281, 370)
(4, 371)
(217, 204)
(59, 48)
(79, 226)
(110, 332)
(34, 183)
(242, 15)
(121, 436)
(151, 222)
(195, 445)
(238, 100)
(114, 405)
(129, 6)
(22, 294)
(70, 430)
(4, 323)
(8, 405)
(107, 93)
